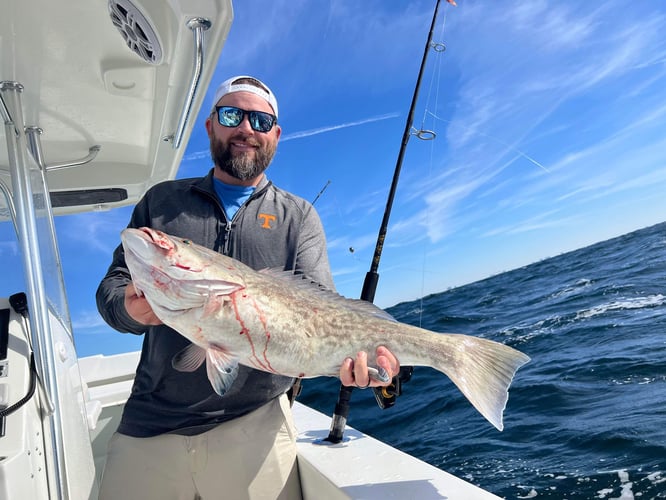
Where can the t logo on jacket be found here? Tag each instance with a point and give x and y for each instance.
(266, 220)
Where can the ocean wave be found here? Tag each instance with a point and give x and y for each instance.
(628, 303)
(580, 286)
(638, 380)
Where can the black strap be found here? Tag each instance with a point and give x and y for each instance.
(31, 390)
(19, 303)
(4, 333)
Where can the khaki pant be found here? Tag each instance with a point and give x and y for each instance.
(251, 457)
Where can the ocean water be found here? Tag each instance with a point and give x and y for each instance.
(586, 418)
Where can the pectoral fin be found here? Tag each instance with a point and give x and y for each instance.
(222, 369)
(221, 365)
(189, 359)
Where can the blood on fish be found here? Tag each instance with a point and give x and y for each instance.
(245, 331)
(262, 318)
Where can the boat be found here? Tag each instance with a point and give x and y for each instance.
(98, 101)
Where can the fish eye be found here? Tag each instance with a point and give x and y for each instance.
(187, 242)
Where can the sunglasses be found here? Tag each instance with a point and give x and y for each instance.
(230, 116)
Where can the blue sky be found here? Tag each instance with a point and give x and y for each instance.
(551, 135)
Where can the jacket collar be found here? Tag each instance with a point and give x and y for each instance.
(207, 185)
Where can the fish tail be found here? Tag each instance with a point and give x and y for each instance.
(483, 370)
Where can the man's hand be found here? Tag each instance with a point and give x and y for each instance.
(138, 308)
(354, 372)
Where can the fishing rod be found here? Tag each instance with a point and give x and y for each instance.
(321, 192)
(385, 396)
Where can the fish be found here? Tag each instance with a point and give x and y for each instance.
(284, 323)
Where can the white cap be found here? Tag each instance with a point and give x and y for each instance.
(229, 87)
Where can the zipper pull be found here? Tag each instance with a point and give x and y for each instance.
(228, 227)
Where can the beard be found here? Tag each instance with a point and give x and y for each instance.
(242, 166)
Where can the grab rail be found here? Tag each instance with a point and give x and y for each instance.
(34, 146)
(198, 25)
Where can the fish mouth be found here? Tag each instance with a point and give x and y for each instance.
(158, 238)
(143, 242)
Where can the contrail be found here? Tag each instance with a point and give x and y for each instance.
(315, 131)
(197, 155)
(510, 146)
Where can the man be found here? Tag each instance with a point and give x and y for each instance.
(177, 438)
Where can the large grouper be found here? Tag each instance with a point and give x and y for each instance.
(282, 323)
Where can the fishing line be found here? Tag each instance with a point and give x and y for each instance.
(499, 141)
(351, 250)
(435, 81)
(438, 47)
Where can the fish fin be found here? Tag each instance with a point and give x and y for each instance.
(483, 370)
(365, 307)
(222, 369)
(310, 285)
(189, 359)
(295, 278)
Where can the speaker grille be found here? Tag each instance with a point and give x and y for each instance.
(136, 30)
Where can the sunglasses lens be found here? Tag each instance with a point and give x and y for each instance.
(260, 121)
(229, 116)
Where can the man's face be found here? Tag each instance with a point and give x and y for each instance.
(240, 151)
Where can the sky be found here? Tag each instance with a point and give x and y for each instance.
(550, 125)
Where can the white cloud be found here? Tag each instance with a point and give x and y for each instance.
(99, 232)
(87, 320)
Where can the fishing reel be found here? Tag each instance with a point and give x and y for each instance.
(386, 396)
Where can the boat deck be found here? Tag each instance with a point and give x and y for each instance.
(359, 467)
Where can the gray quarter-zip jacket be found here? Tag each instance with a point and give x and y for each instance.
(273, 229)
